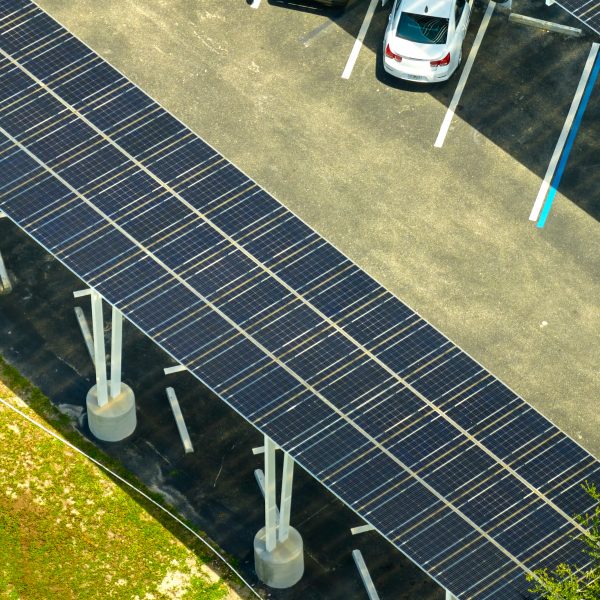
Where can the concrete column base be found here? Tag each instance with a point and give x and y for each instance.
(283, 567)
(505, 6)
(114, 421)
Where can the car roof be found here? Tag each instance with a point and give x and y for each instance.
(431, 8)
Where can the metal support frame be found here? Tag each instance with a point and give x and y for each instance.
(96, 345)
(260, 479)
(261, 449)
(361, 529)
(277, 520)
(364, 575)
(175, 369)
(82, 293)
(181, 426)
(287, 480)
(362, 567)
(4, 278)
(85, 331)
(278, 547)
(110, 403)
(116, 352)
(270, 495)
(99, 349)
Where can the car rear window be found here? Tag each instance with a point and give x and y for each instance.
(422, 29)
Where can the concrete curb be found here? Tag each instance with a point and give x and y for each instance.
(547, 25)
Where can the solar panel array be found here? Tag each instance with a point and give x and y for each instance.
(445, 461)
(587, 11)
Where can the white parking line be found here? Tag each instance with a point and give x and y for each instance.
(539, 201)
(359, 40)
(439, 142)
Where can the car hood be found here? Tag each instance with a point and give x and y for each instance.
(408, 49)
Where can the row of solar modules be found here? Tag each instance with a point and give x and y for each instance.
(587, 11)
(378, 405)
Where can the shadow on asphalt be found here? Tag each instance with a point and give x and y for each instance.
(519, 91)
(213, 488)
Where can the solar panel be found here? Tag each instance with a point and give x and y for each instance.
(445, 461)
(587, 11)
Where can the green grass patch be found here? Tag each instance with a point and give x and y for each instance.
(67, 530)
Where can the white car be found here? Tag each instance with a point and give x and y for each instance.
(423, 39)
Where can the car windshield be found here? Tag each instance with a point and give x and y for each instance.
(422, 29)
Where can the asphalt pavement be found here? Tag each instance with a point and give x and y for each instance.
(446, 229)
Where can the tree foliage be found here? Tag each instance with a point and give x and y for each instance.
(570, 582)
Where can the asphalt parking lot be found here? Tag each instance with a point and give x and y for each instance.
(445, 228)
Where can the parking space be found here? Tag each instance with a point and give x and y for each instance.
(362, 32)
(463, 75)
(560, 157)
(446, 229)
(581, 179)
(521, 89)
(522, 85)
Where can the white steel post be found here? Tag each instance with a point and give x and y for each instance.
(4, 279)
(181, 427)
(5, 284)
(278, 547)
(287, 480)
(365, 575)
(270, 495)
(116, 352)
(85, 331)
(99, 350)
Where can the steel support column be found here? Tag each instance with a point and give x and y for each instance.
(278, 547)
(270, 495)
(5, 285)
(116, 345)
(111, 413)
(287, 480)
(99, 349)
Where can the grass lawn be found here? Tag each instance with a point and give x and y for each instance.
(67, 530)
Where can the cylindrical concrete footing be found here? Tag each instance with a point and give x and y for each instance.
(115, 420)
(284, 566)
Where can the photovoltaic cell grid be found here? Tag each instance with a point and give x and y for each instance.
(447, 463)
(587, 11)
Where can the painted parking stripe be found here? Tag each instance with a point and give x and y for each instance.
(569, 145)
(550, 182)
(359, 40)
(439, 142)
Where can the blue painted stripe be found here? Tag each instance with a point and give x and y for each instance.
(570, 140)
